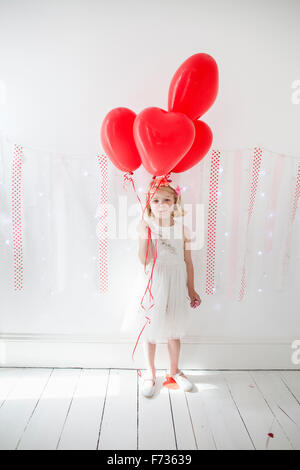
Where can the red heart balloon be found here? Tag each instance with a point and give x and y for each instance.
(200, 147)
(162, 138)
(194, 87)
(117, 139)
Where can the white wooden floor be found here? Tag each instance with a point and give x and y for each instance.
(42, 408)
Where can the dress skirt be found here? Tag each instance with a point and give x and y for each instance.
(171, 314)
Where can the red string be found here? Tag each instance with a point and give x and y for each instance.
(127, 177)
(148, 288)
(149, 285)
(161, 181)
(153, 184)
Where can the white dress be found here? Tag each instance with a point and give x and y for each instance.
(171, 313)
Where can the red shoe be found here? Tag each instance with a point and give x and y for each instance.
(182, 381)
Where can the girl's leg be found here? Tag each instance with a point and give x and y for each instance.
(149, 352)
(174, 350)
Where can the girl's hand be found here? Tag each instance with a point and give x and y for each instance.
(195, 298)
(143, 229)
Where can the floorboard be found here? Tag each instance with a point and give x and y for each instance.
(104, 409)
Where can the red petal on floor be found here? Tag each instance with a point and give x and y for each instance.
(270, 434)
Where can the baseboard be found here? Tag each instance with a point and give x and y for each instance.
(90, 351)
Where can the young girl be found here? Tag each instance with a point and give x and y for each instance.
(172, 287)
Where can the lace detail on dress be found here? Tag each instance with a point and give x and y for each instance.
(170, 248)
(167, 245)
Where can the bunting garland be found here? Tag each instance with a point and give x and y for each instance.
(233, 199)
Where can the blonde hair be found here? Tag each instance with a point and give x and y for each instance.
(178, 209)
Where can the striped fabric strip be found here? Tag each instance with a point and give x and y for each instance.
(17, 216)
(256, 162)
(212, 222)
(102, 227)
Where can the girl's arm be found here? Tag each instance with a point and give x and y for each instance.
(143, 241)
(189, 265)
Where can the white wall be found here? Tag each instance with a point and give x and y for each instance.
(65, 64)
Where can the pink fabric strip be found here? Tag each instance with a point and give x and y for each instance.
(17, 216)
(296, 195)
(102, 227)
(256, 162)
(270, 222)
(285, 260)
(212, 222)
(234, 231)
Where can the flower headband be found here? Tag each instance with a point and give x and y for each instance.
(166, 182)
(178, 190)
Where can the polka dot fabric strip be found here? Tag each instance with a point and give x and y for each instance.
(102, 227)
(17, 216)
(212, 221)
(254, 181)
(296, 195)
(256, 162)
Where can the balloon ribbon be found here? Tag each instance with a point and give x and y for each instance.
(162, 181)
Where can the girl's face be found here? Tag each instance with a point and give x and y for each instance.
(162, 203)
